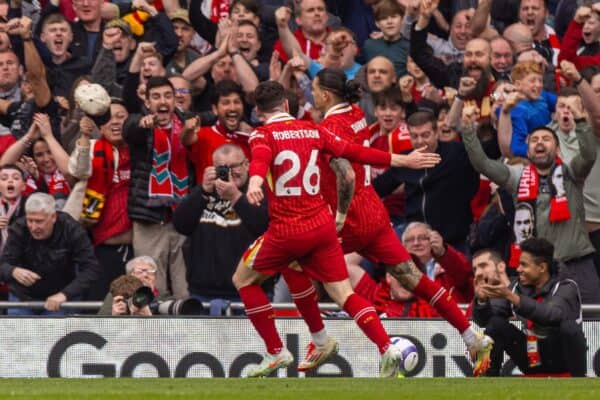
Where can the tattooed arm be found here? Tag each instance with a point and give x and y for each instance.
(345, 180)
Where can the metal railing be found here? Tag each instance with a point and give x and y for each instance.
(234, 306)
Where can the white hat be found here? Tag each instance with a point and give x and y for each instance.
(92, 99)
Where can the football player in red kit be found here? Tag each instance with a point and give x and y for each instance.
(285, 153)
(362, 220)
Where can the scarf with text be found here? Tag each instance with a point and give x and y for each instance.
(106, 170)
(525, 211)
(169, 180)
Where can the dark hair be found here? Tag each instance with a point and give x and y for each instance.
(269, 95)
(250, 5)
(588, 73)
(387, 8)
(494, 255)
(225, 88)
(334, 80)
(388, 96)
(421, 118)
(157, 81)
(542, 251)
(293, 102)
(547, 129)
(15, 167)
(567, 92)
(245, 22)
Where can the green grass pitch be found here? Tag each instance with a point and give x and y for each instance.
(303, 389)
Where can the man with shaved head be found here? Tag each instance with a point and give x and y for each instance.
(519, 36)
(502, 59)
(380, 75)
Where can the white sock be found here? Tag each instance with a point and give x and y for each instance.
(469, 336)
(319, 338)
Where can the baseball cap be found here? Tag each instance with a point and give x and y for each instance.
(180, 14)
(94, 101)
(121, 24)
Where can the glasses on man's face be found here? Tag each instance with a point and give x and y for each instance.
(418, 238)
(235, 166)
(182, 91)
(144, 271)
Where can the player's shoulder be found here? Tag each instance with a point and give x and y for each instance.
(260, 132)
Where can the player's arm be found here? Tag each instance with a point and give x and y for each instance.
(345, 181)
(259, 166)
(417, 159)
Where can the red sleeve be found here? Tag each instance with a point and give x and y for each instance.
(5, 142)
(261, 155)
(458, 270)
(338, 147)
(282, 54)
(570, 44)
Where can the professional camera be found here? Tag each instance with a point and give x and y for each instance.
(189, 306)
(133, 291)
(142, 297)
(223, 172)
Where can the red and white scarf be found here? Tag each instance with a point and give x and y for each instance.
(526, 200)
(106, 170)
(57, 184)
(169, 180)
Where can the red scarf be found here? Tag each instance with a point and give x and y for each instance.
(58, 186)
(169, 180)
(103, 175)
(219, 9)
(526, 204)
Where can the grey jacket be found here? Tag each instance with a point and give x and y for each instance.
(570, 237)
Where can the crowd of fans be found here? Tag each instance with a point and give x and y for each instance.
(505, 91)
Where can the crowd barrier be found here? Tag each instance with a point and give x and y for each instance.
(216, 347)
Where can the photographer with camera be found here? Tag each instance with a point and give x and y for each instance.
(130, 297)
(143, 268)
(551, 340)
(217, 212)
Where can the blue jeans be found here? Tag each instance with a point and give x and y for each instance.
(29, 311)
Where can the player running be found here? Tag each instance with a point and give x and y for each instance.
(363, 222)
(285, 152)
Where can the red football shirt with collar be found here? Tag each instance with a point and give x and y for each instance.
(286, 152)
(366, 214)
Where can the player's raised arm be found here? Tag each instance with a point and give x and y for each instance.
(416, 159)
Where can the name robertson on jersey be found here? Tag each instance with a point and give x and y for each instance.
(296, 134)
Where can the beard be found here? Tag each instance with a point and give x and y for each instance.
(482, 85)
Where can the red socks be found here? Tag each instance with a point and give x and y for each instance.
(305, 297)
(439, 298)
(367, 319)
(260, 312)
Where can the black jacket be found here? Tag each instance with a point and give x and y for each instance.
(560, 300)
(65, 261)
(439, 73)
(218, 236)
(439, 196)
(141, 143)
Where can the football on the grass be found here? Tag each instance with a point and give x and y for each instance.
(410, 354)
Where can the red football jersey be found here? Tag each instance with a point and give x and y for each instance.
(287, 150)
(366, 213)
(211, 138)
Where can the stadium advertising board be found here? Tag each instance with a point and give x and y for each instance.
(203, 347)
